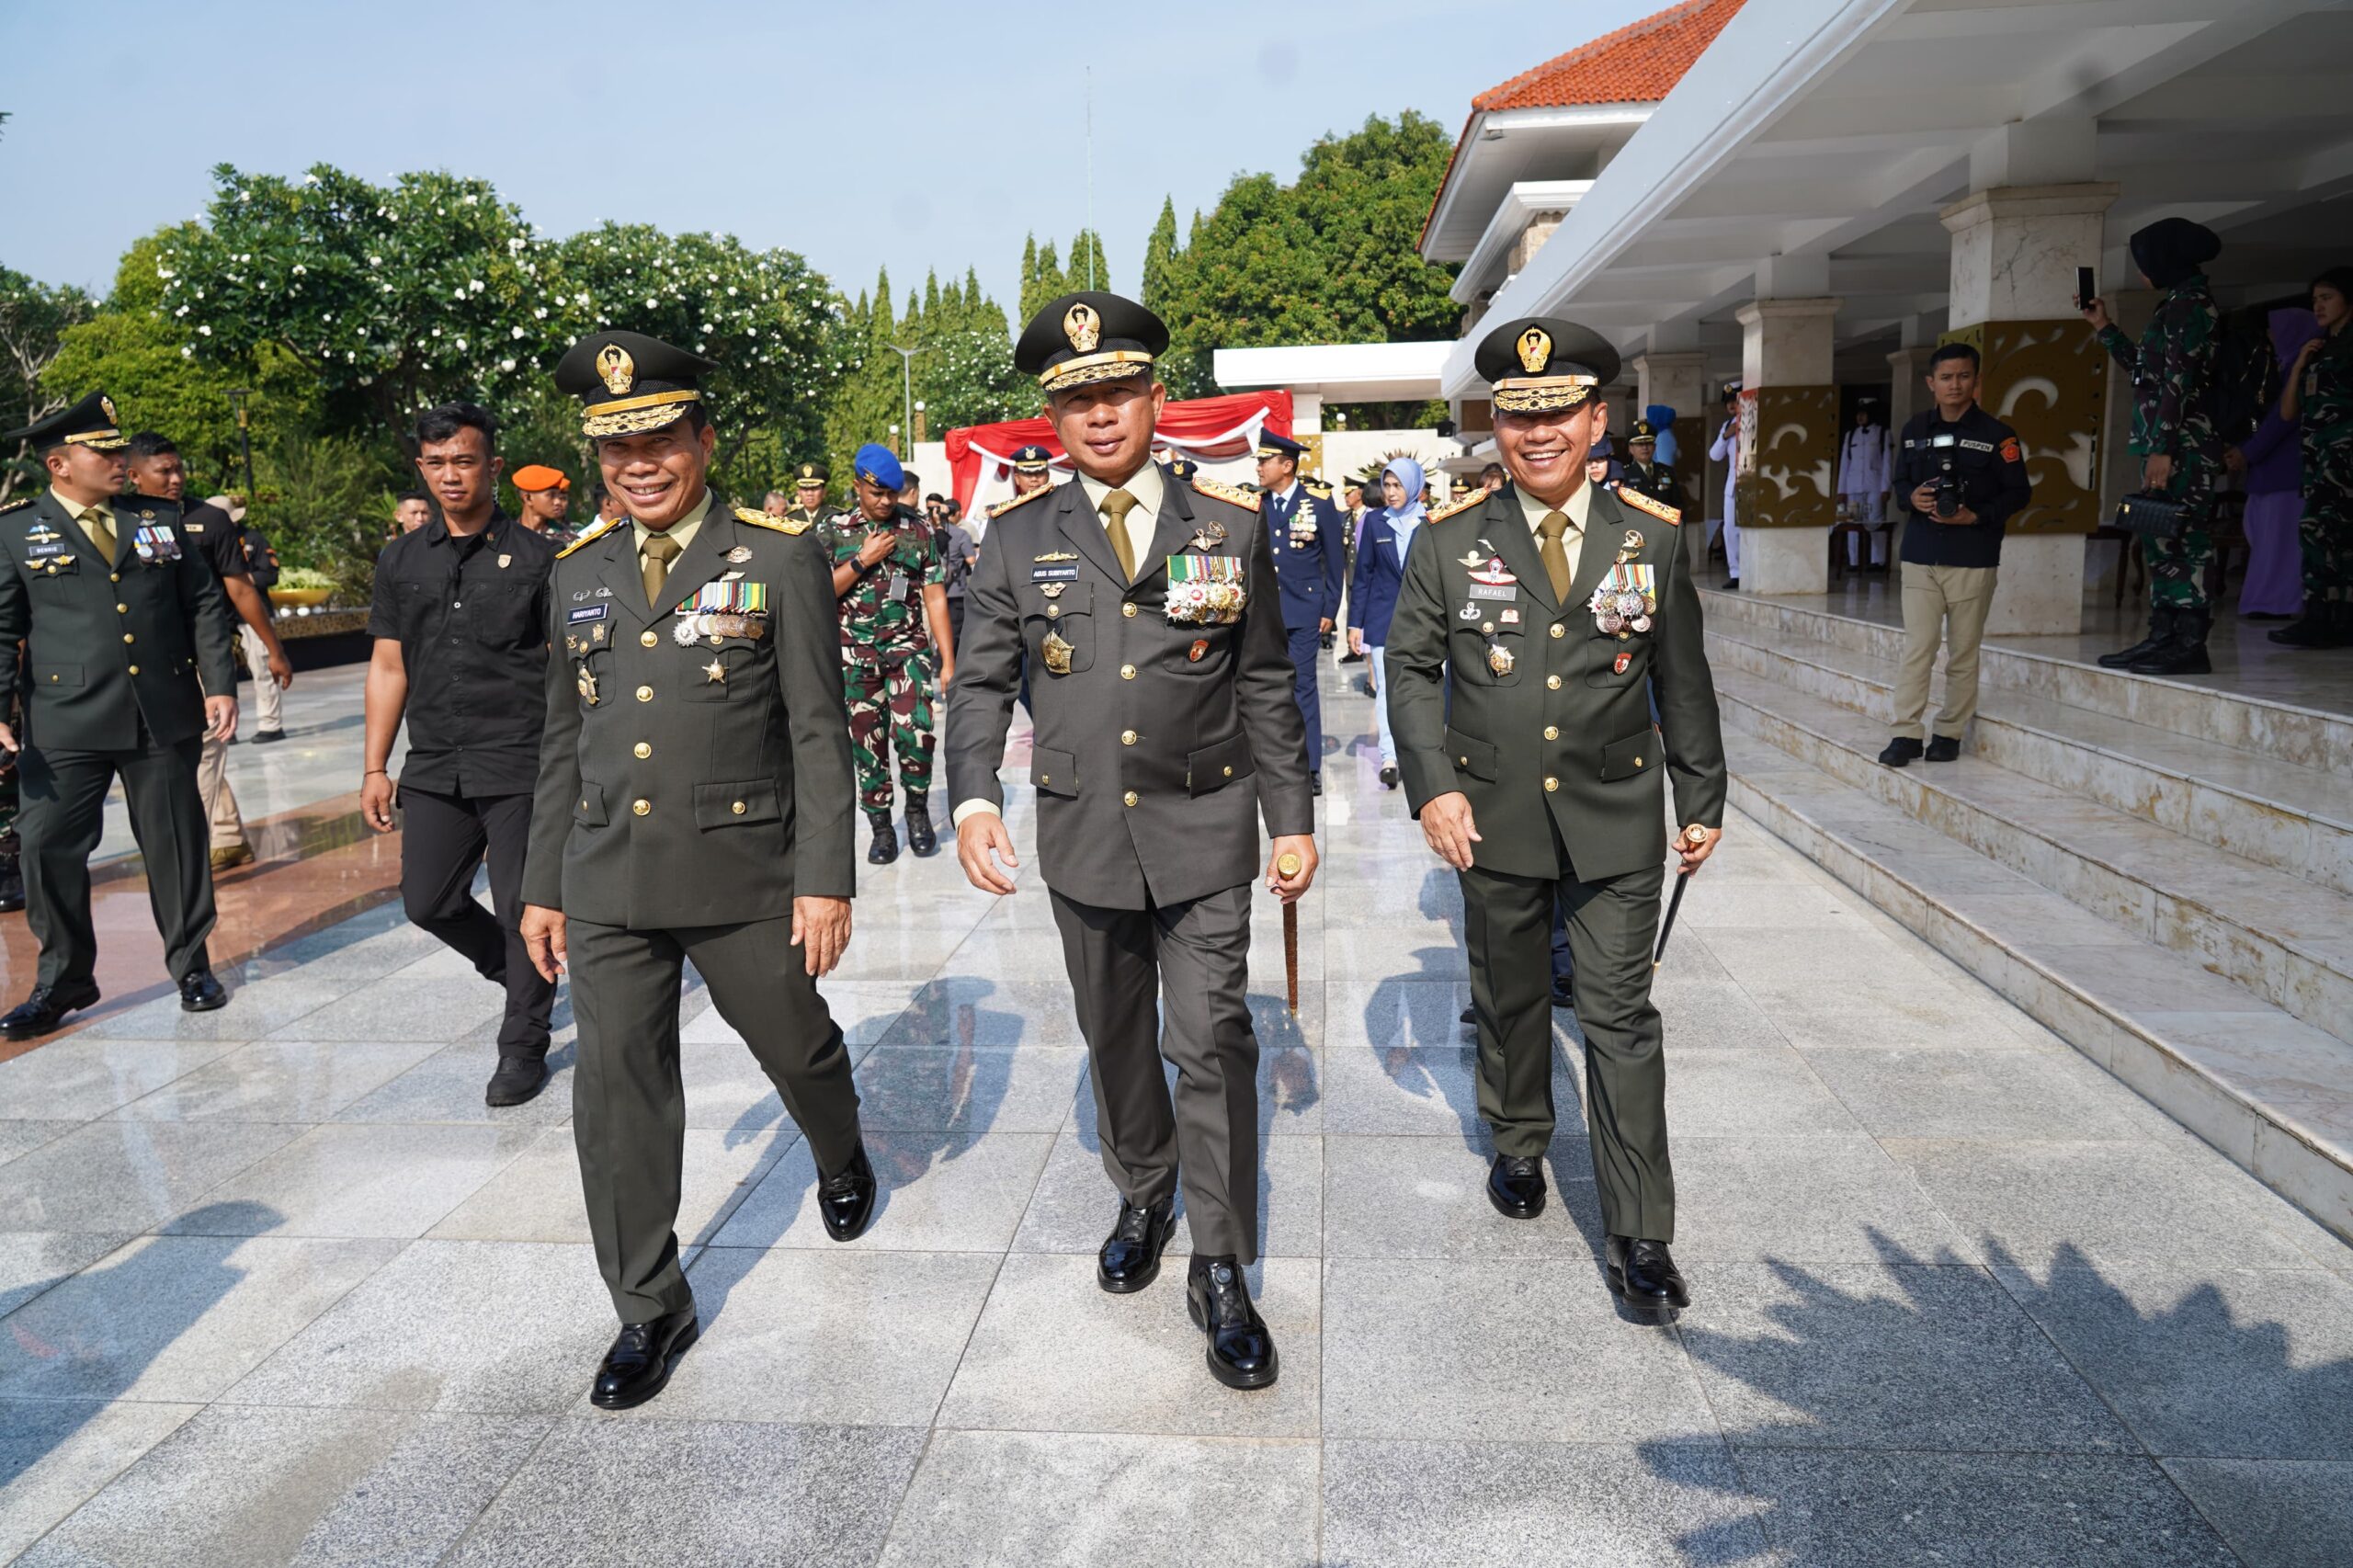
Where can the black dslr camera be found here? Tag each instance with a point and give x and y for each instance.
(1948, 480)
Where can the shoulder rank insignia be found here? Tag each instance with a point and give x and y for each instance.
(18, 505)
(1456, 508)
(780, 524)
(1246, 499)
(1317, 488)
(1642, 502)
(599, 531)
(1002, 507)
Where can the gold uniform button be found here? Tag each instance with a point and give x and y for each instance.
(1131, 797)
(127, 638)
(1053, 612)
(134, 670)
(1127, 737)
(1551, 732)
(114, 576)
(1229, 773)
(641, 751)
(649, 640)
(123, 609)
(1638, 762)
(1129, 610)
(1552, 682)
(1550, 783)
(1559, 630)
(641, 807)
(1127, 672)
(737, 808)
(645, 693)
(1462, 762)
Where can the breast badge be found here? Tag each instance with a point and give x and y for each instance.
(1057, 653)
(1500, 659)
(588, 684)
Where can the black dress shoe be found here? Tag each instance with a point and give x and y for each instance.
(269, 737)
(1900, 750)
(1516, 1186)
(1316, 783)
(642, 1358)
(200, 993)
(1942, 748)
(42, 1012)
(885, 848)
(1242, 1351)
(1131, 1257)
(920, 836)
(12, 891)
(1389, 777)
(1562, 996)
(1470, 1015)
(1732, 583)
(1642, 1275)
(518, 1078)
(846, 1199)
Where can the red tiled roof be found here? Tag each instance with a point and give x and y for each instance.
(1640, 62)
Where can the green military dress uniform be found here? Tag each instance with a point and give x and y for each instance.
(1535, 705)
(2173, 374)
(815, 473)
(114, 631)
(888, 661)
(694, 780)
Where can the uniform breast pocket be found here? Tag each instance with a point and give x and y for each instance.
(57, 678)
(1059, 632)
(502, 612)
(728, 673)
(593, 678)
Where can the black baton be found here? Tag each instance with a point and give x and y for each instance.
(1682, 881)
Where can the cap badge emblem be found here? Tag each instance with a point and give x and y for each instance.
(1083, 327)
(619, 370)
(108, 403)
(1535, 350)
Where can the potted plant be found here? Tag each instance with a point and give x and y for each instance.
(302, 588)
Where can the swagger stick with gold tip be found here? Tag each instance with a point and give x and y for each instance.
(1695, 835)
(1287, 866)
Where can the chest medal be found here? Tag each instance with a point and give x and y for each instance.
(587, 687)
(1500, 659)
(1056, 654)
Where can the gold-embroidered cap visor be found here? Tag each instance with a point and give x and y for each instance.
(1542, 395)
(635, 415)
(1088, 368)
(99, 441)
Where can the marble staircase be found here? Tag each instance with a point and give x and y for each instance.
(2160, 872)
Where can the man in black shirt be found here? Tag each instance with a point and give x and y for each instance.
(1960, 476)
(461, 626)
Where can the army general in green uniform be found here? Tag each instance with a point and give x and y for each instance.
(118, 631)
(693, 803)
(1536, 627)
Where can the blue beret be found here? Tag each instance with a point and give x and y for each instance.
(1273, 446)
(877, 464)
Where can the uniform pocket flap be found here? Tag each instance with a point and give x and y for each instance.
(1055, 772)
(57, 674)
(1632, 756)
(1213, 768)
(723, 805)
(1472, 755)
(591, 807)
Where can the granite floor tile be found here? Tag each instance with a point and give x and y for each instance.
(1130, 1363)
(234, 1487)
(253, 1011)
(502, 1328)
(866, 1010)
(177, 1318)
(1763, 1091)
(536, 1196)
(938, 1192)
(731, 1492)
(1712, 1014)
(1552, 1360)
(968, 1090)
(399, 1007)
(23, 1137)
(35, 1261)
(357, 1180)
(1074, 1202)
(78, 1078)
(1420, 953)
(863, 1338)
(1290, 1088)
(2274, 1513)
(447, 1085)
(1427, 1197)
(1995, 1095)
(2205, 1362)
(1430, 1092)
(1022, 1498)
(279, 1081)
(55, 1455)
(1817, 1200)
(1520, 1504)
(965, 1010)
(1392, 1014)
(129, 1176)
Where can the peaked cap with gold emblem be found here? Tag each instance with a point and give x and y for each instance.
(1083, 338)
(89, 423)
(1537, 364)
(627, 382)
(811, 474)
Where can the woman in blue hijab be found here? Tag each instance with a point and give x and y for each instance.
(1373, 592)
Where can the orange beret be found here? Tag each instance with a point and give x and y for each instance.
(538, 476)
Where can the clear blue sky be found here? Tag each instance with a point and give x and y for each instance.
(880, 132)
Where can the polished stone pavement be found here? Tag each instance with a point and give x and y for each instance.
(276, 1288)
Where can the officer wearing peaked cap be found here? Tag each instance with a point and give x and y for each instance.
(693, 802)
(116, 629)
(1643, 473)
(1536, 627)
(809, 505)
(1307, 533)
(1148, 613)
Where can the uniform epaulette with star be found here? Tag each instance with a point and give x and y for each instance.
(599, 531)
(18, 505)
(1246, 499)
(1642, 502)
(1318, 489)
(1454, 508)
(795, 526)
(1002, 507)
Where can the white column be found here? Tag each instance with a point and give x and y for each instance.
(1679, 380)
(1789, 501)
(1306, 413)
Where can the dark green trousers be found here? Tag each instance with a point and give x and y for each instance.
(62, 818)
(629, 1106)
(1508, 922)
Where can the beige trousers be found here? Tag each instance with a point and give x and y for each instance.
(1942, 604)
(269, 701)
(220, 800)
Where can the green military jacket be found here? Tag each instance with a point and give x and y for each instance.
(2173, 371)
(108, 645)
(882, 618)
(695, 769)
(1534, 711)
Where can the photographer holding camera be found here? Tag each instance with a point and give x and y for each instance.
(1960, 476)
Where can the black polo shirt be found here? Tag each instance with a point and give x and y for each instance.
(470, 615)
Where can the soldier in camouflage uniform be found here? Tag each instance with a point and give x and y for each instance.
(894, 614)
(2319, 399)
(2173, 431)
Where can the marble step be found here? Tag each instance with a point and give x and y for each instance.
(2283, 940)
(2304, 736)
(2292, 818)
(2271, 1092)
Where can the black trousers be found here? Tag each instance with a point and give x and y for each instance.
(444, 839)
(63, 816)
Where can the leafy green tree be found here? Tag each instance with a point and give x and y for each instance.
(33, 321)
(870, 397)
(1160, 258)
(1041, 278)
(965, 375)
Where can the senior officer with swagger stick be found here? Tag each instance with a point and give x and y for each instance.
(1148, 614)
(1553, 615)
(695, 802)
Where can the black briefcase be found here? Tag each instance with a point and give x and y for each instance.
(2158, 516)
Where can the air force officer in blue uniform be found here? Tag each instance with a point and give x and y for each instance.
(1310, 534)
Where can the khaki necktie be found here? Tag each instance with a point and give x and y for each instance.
(1115, 507)
(1556, 558)
(659, 550)
(94, 523)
